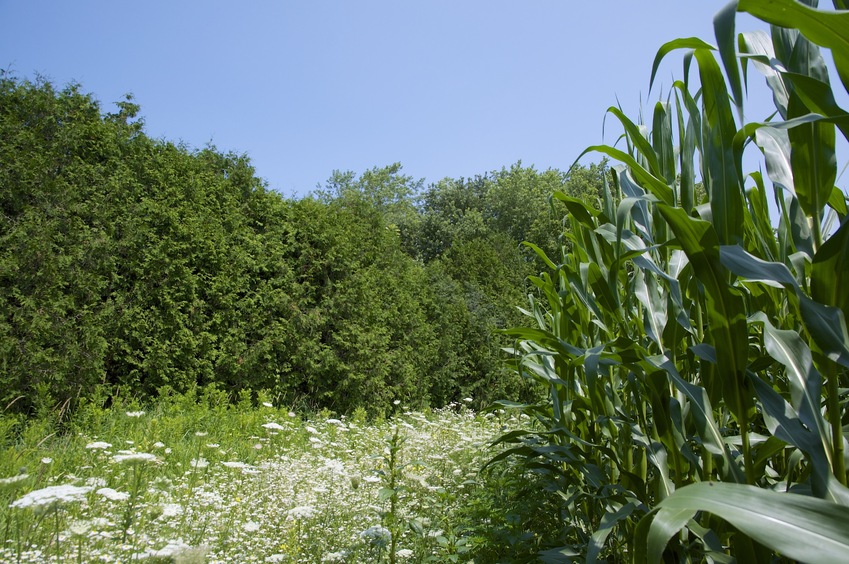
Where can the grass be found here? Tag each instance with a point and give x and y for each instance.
(196, 479)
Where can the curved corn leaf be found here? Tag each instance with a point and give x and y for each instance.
(827, 29)
(805, 382)
(799, 527)
(666, 48)
(651, 183)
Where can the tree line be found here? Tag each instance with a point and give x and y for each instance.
(148, 267)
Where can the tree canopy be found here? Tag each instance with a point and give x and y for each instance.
(148, 266)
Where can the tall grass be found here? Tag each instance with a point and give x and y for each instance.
(695, 355)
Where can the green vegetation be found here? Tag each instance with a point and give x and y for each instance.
(196, 478)
(142, 266)
(678, 382)
(695, 357)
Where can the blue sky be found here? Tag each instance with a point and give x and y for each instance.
(448, 88)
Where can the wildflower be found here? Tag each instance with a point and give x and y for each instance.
(396, 402)
(276, 558)
(98, 445)
(258, 446)
(404, 553)
(468, 400)
(79, 528)
(292, 414)
(311, 430)
(113, 495)
(201, 433)
(51, 495)
(13, 480)
(135, 413)
(275, 426)
(171, 509)
(250, 527)
(334, 422)
(301, 512)
(335, 556)
(95, 482)
(199, 463)
(46, 460)
(158, 444)
(212, 445)
(134, 457)
(266, 404)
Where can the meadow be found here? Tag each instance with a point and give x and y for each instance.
(196, 479)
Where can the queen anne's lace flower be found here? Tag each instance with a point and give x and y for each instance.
(51, 495)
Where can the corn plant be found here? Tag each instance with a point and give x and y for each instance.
(694, 353)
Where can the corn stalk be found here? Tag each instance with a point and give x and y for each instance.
(692, 351)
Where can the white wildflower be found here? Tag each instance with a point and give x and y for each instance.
(46, 460)
(275, 426)
(266, 404)
(334, 422)
(171, 509)
(99, 445)
(51, 495)
(201, 433)
(250, 527)
(212, 445)
(199, 463)
(134, 457)
(113, 495)
(311, 430)
(404, 553)
(158, 444)
(301, 512)
(135, 413)
(96, 482)
(335, 557)
(13, 480)
(468, 400)
(234, 464)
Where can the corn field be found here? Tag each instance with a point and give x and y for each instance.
(695, 354)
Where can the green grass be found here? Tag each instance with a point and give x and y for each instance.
(238, 483)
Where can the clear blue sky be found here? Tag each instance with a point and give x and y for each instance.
(446, 87)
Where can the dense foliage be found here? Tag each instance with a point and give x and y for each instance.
(696, 357)
(141, 265)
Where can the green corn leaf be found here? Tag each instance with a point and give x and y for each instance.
(788, 348)
(663, 142)
(723, 183)
(667, 522)
(784, 424)
(608, 522)
(666, 48)
(827, 326)
(753, 269)
(651, 183)
(702, 410)
(757, 47)
(830, 271)
(636, 138)
(723, 25)
(814, 163)
(796, 526)
(826, 29)
(727, 324)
